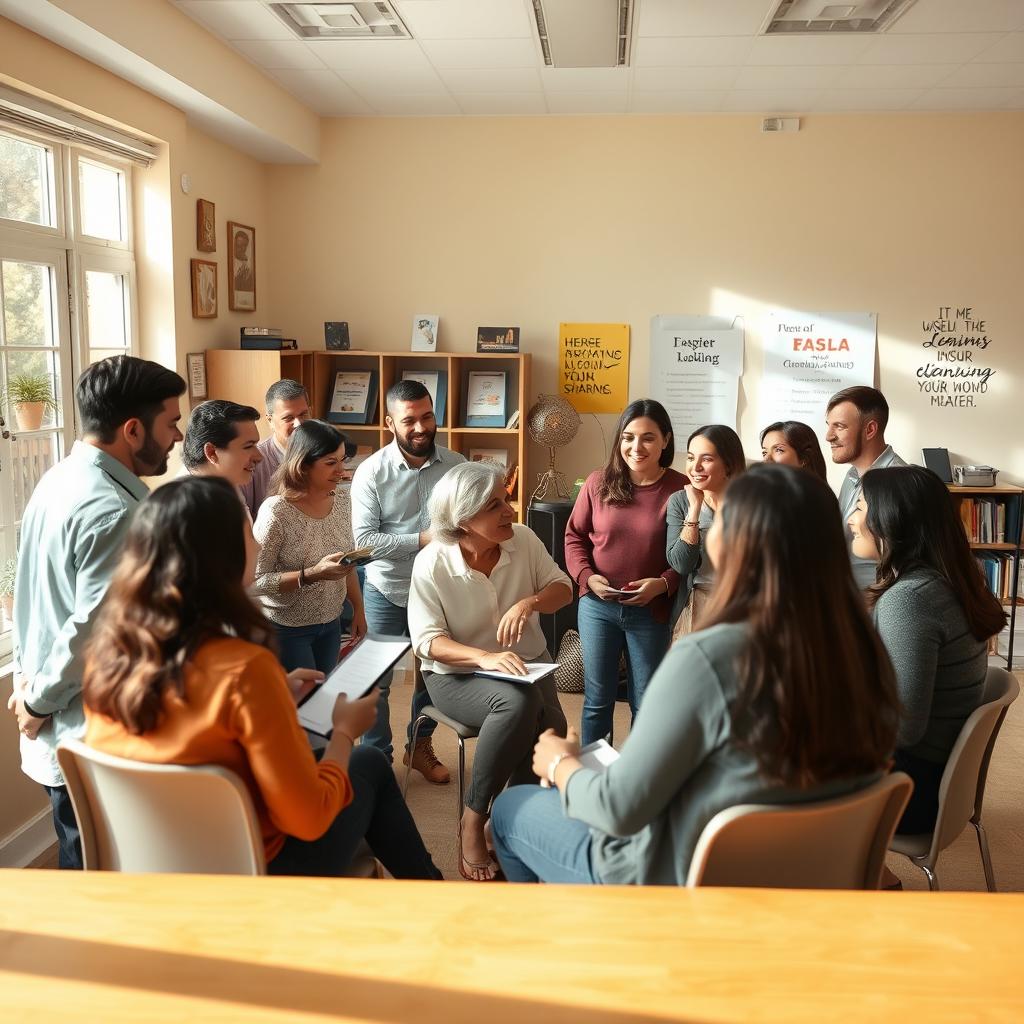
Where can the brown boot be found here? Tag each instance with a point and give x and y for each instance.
(425, 761)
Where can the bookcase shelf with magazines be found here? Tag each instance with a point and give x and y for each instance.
(992, 521)
(462, 382)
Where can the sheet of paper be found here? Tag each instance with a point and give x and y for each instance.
(354, 677)
(534, 670)
(598, 755)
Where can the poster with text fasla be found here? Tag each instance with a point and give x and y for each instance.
(593, 366)
(808, 357)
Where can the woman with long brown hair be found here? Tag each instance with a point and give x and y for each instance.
(615, 551)
(792, 443)
(784, 695)
(180, 670)
(935, 616)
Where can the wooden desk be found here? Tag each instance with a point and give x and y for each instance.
(105, 947)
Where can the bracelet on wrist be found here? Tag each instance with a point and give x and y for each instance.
(302, 578)
(555, 762)
(691, 522)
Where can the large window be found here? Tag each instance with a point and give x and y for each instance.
(67, 299)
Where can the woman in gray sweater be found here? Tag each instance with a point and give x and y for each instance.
(785, 695)
(934, 615)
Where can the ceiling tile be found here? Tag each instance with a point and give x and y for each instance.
(771, 101)
(276, 54)
(500, 80)
(893, 76)
(371, 55)
(466, 19)
(866, 99)
(416, 105)
(606, 80)
(675, 102)
(390, 82)
(513, 104)
(690, 51)
(683, 79)
(966, 99)
(702, 17)
(238, 19)
(1009, 48)
(962, 16)
(786, 78)
(322, 91)
(926, 49)
(587, 102)
(482, 53)
(795, 51)
(987, 75)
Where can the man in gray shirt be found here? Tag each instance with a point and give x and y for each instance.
(70, 543)
(390, 493)
(856, 419)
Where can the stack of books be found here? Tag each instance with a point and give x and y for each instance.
(988, 521)
(997, 568)
(266, 338)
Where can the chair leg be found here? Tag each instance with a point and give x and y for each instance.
(986, 857)
(462, 793)
(933, 878)
(412, 746)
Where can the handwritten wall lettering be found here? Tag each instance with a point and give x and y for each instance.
(955, 375)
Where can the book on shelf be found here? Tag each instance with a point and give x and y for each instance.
(997, 568)
(262, 332)
(268, 343)
(991, 520)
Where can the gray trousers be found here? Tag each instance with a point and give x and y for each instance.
(510, 717)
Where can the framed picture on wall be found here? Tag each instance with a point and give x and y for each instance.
(197, 375)
(241, 267)
(204, 289)
(206, 227)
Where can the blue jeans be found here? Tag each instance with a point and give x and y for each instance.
(606, 627)
(377, 813)
(536, 842)
(310, 646)
(391, 620)
(347, 611)
(65, 824)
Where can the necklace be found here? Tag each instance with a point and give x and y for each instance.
(650, 483)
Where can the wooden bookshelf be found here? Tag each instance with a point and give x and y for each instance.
(243, 375)
(959, 494)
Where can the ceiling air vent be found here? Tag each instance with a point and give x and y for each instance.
(584, 33)
(314, 19)
(815, 17)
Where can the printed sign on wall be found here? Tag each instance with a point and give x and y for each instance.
(696, 363)
(593, 366)
(808, 357)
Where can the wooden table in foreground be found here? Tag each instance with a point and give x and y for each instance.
(107, 947)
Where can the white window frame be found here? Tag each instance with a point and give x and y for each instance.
(58, 232)
(124, 171)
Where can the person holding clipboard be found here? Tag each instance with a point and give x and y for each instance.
(474, 599)
(181, 670)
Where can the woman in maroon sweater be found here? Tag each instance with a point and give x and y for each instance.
(615, 551)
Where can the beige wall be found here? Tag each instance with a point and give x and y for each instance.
(533, 221)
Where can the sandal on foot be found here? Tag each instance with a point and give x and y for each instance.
(490, 868)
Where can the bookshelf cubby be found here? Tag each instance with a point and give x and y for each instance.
(243, 375)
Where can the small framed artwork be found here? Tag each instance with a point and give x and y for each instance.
(204, 289)
(497, 339)
(485, 399)
(424, 332)
(206, 227)
(241, 267)
(336, 335)
(436, 382)
(196, 374)
(353, 397)
(496, 456)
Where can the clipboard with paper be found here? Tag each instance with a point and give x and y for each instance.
(354, 676)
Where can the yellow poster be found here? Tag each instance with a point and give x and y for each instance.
(593, 366)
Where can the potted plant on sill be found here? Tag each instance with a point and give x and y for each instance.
(7, 571)
(30, 396)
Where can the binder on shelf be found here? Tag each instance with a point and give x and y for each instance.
(267, 343)
(486, 399)
(353, 397)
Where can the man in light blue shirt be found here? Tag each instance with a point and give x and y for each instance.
(69, 546)
(390, 493)
(856, 419)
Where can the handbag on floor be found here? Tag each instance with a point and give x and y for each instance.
(569, 674)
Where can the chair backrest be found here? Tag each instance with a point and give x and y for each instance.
(153, 818)
(963, 782)
(830, 844)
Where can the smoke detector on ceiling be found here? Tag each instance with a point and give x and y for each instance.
(584, 33)
(316, 19)
(817, 18)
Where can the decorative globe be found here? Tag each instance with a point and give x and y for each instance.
(552, 422)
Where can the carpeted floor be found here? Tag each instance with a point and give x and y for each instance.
(434, 807)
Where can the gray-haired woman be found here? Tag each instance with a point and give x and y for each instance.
(473, 602)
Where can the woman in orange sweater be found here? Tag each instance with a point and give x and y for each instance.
(180, 671)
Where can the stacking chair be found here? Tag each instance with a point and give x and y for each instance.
(830, 844)
(962, 790)
(158, 818)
